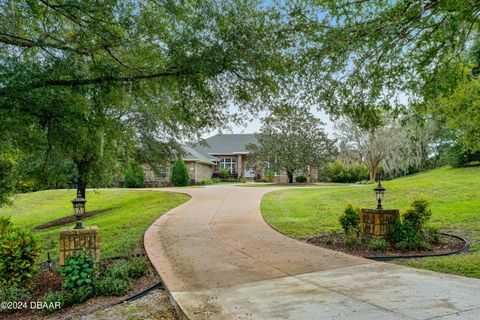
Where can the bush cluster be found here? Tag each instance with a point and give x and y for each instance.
(134, 176)
(116, 280)
(224, 173)
(19, 251)
(350, 219)
(337, 172)
(180, 177)
(409, 232)
(301, 179)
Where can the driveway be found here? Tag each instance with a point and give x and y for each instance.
(220, 260)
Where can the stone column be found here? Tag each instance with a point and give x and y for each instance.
(378, 222)
(74, 241)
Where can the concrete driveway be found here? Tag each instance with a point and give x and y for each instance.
(220, 260)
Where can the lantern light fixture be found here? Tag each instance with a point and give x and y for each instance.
(379, 192)
(79, 209)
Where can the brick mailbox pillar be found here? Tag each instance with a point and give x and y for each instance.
(73, 241)
(378, 222)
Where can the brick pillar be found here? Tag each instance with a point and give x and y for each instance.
(377, 222)
(74, 241)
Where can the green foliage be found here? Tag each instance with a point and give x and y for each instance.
(80, 294)
(112, 286)
(224, 173)
(205, 182)
(458, 156)
(19, 251)
(243, 180)
(79, 271)
(7, 181)
(269, 175)
(137, 267)
(350, 219)
(378, 244)
(431, 235)
(405, 237)
(180, 177)
(13, 293)
(337, 172)
(291, 138)
(301, 179)
(5, 225)
(351, 239)
(52, 297)
(134, 176)
(418, 214)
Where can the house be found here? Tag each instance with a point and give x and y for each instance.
(205, 160)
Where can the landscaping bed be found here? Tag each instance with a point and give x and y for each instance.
(336, 241)
(52, 282)
(454, 195)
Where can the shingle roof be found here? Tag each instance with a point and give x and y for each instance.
(224, 144)
(193, 155)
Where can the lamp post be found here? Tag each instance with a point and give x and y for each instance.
(79, 209)
(379, 191)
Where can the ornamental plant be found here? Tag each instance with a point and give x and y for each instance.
(79, 271)
(180, 177)
(19, 251)
(350, 219)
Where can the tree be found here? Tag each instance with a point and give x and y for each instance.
(101, 83)
(291, 138)
(180, 176)
(368, 146)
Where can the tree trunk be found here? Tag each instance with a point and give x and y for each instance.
(290, 176)
(373, 173)
(82, 169)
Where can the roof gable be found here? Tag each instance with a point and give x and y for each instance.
(224, 144)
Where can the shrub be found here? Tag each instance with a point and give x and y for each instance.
(137, 267)
(301, 179)
(350, 219)
(418, 213)
(405, 237)
(180, 177)
(111, 286)
(5, 224)
(49, 299)
(19, 251)
(131, 269)
(205, 182)
(431, 235)
(79, 271)
(13, 293)
(243, 180)
(337, 172)
(216, 180)
(134, 176)
(378, 244)
(224, 173)
(79, 295)
(351, 240)
(269, 175)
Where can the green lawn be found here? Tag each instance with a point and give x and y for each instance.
(121, 229)
(453, 193)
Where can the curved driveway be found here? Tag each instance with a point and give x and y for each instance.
(220, 260)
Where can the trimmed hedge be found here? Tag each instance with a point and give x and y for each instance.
(180, 177)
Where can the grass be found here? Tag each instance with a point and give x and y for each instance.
(121, 229)
(453, 193)
(271, 184)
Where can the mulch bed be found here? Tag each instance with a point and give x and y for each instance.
(336, 241)
(70, 219)
(45, 282)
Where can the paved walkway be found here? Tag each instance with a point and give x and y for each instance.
(220, 260)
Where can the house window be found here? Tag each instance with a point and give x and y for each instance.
(161, 172)
(229, 163)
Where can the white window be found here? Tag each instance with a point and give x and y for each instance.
(229, 163)
(161, 172)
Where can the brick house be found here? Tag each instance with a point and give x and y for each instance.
(205, 160)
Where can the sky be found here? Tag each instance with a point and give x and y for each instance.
(255, 125)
